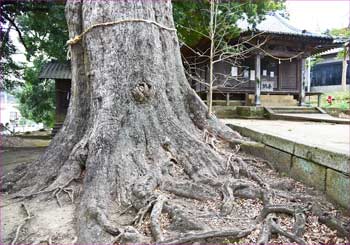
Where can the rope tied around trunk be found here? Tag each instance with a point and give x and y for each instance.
(78, 38)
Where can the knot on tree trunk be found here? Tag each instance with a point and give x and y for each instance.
(142, 92)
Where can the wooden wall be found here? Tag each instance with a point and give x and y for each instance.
(62, 99)
(286, 76)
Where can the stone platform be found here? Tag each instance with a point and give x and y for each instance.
(317, 154)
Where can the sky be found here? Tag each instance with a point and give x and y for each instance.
(318, 15)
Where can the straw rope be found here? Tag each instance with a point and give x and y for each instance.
(78, 38)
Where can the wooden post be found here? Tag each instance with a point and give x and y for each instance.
(257, 79)
(302, 83)
(308, 74)
(227, 99)
(344, 67)
(319, 100)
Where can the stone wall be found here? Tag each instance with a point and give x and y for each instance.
(324, 170)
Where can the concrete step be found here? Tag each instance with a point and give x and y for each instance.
(294, 110)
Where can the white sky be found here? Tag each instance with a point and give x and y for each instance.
(318, 15)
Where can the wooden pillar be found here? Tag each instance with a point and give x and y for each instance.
(319, 100)
(344, 67)
(257, 79)
(227, 99)
(302, 82)
(308, 74)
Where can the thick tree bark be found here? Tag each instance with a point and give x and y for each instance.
(137, 137)
(132, 116)
(139, 108)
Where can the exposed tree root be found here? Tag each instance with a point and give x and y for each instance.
(343, 229)
(266, 231)
(293, 237)
(299, 224)
(143, 211)
(241, 181)
(200, 236)
(56, 191)
(47, 241)
(28, 217)
(155, 216)
(268, 209)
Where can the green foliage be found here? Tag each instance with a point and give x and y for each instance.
(315, 60)
(192, 17)
(341, 33)
(41, 28)
(36, 97)
(341, 100)
(45, 32)
(10, 70)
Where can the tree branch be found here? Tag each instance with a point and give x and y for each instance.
(12, 21)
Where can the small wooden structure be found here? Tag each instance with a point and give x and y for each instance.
(273, 69)
(61, 73)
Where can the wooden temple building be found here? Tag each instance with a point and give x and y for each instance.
(272, 73)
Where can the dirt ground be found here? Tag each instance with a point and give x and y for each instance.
(51, 224)
(12, 157)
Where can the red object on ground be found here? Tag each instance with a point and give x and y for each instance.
(330, 99)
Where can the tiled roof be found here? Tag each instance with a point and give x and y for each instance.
(56, 70)
(276, 24)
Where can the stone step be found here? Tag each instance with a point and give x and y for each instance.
(293, 110)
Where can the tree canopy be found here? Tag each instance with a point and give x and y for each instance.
(42, 30)
(192, 17)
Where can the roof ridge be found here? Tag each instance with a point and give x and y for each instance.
(284, 21)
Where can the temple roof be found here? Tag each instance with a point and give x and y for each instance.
(275, 24)
(56, 70)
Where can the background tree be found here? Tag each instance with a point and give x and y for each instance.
(36, 97)
(191, 30)
(42, 30)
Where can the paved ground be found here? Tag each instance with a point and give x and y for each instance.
(333, 137)
(322, 117)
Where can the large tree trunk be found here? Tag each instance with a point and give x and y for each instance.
(137, 136)
(132, 116)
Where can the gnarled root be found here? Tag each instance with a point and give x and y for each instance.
(56, 191)
(201, 236)
(265, 233)
(271, 225)
(24, 221)
(334, 223)
(155, 216)
(293, 237)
